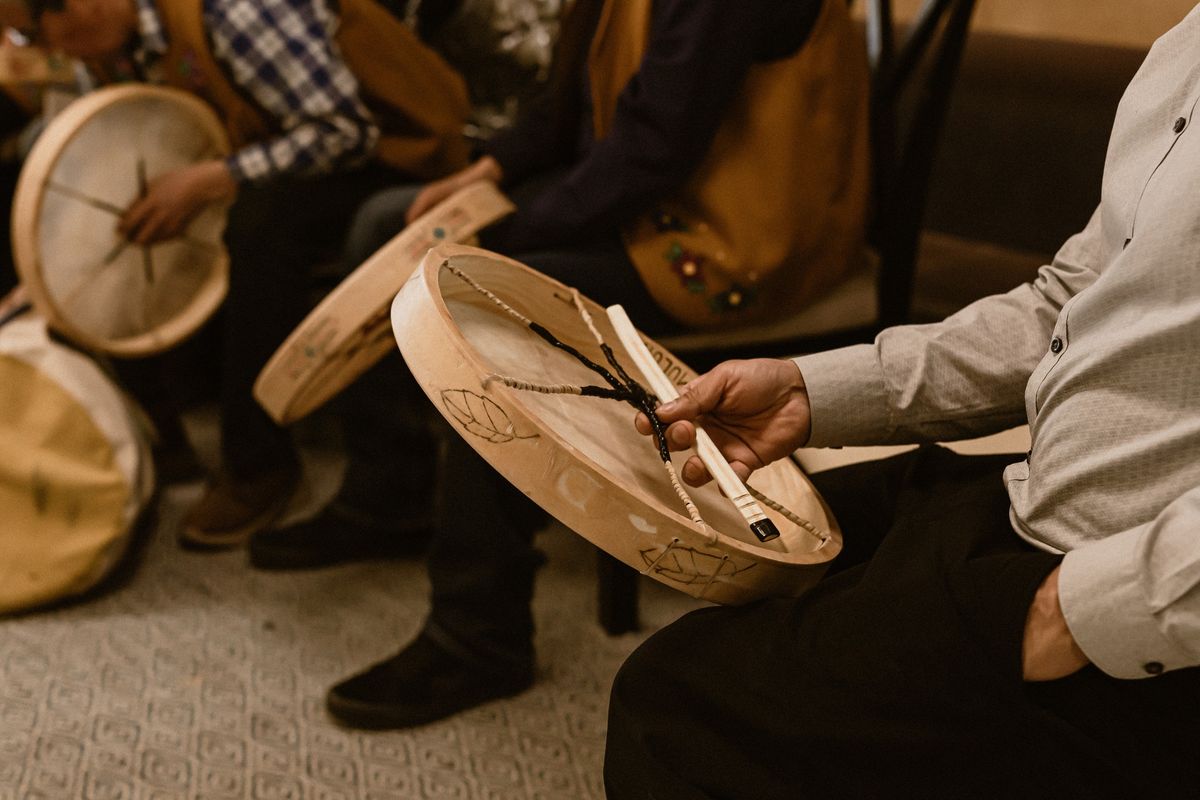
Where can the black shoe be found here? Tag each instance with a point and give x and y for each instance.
(420, 684)
(335, 536)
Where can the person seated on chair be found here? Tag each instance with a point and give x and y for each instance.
(702, 163)
(324, 104)
(993, 629)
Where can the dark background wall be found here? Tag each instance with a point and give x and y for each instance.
(1023, 149)
(1020, 163)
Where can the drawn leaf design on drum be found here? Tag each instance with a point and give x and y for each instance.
(687, 565)
(481, 416)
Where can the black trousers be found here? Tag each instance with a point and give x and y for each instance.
(277, 233)
(899, 675)
(482, 561)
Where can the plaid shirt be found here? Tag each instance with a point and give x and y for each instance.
(281, 53)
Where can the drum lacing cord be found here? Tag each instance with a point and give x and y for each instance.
(792, 517)
(685, 498)
(626, 389)
(670, 546)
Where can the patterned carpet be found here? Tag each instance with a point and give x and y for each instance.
(202, 678)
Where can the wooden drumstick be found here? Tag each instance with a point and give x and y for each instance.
(709, 453)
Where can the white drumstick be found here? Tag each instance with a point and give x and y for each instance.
(709, 453)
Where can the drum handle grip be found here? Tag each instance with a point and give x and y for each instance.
(761, 525)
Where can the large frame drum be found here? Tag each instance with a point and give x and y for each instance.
(88, 166)
(579, 457)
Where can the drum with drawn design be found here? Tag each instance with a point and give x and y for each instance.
(476, 330)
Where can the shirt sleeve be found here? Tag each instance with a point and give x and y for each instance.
(1132, 599)
(956, 379)
(697, 57)
(282, 54)
(533, 143)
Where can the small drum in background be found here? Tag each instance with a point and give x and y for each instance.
(501, 385)
(349, 332)
(88, 166)
(75, 469)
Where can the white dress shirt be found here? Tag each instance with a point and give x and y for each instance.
(1101, 355)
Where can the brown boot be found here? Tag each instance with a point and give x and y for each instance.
(233, 509)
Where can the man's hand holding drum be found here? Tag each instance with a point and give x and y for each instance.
(485, 169)
(756, 411)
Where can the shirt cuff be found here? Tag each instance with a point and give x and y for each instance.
(847, 397)
(250, 164)
(1100, 591)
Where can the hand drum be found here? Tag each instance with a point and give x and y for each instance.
(88, 166)
(475, 329)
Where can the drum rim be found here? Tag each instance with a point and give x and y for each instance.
(288, 397)
(26, 221)
(429, 271)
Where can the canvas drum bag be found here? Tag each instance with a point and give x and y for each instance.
(75, 469)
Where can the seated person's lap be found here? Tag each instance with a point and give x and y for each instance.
(902, 665)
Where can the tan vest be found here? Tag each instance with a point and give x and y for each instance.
(775, 213)
(419, 102)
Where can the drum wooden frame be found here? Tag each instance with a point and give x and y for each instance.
(349, 331)
(65, 212)
(580, 457)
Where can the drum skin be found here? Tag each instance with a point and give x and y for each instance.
(88, 166)
(580, 457)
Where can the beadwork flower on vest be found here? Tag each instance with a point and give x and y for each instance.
(732, 299)
(688, 266)
(189, 69)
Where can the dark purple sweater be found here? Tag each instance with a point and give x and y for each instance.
(698, 54)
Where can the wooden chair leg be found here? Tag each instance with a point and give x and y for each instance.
(617, 594)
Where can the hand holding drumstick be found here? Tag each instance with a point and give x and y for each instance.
(756, 412)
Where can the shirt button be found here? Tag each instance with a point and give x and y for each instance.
(1180, 124)
(1056, 345)
(1153, 667)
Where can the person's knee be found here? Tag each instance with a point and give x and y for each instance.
(377, 220)
(638, 685)
(623, 693)
(627, 709)
(646, 729)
